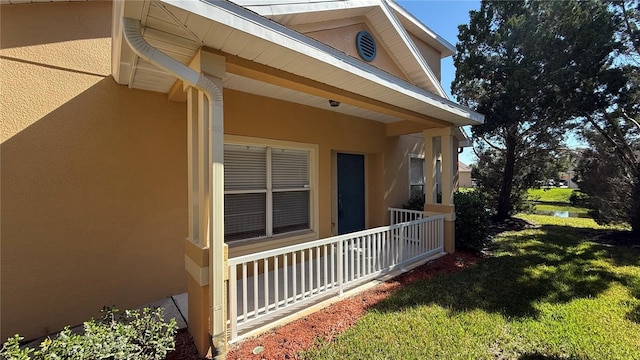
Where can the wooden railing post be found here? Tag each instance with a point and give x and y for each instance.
(341, 266)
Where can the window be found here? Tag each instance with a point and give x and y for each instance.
(416, 175)
(267, 191)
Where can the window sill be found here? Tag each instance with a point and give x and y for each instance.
(254, 245)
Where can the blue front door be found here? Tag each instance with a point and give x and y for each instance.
(350, 193)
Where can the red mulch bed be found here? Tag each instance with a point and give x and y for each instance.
(287, 341)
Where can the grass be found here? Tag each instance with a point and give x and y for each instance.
(546, 293)
(552, 195)
(571, 209)
(555, 199)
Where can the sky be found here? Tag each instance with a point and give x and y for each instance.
(443, 17)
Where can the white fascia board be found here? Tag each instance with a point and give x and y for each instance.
(274, 8)
(424, 28)
(239, 18)
(463, 138)
(412, 48)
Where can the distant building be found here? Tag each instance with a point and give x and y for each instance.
(464, 175)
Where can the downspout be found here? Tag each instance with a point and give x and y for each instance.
(132, 33)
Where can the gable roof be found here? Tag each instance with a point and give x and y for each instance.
(380, 16)
(249, 41)
(462, 167)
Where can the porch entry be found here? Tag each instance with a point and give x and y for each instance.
(351, 203)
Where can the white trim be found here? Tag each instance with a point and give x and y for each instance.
(424, 28)
(413, 49)
(199, 274)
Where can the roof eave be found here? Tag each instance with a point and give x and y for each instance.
(431, 37)
(246, 21)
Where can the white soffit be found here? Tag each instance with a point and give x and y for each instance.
(180, 27)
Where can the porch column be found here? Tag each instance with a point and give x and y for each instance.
(196, 250)
(205, 251)
(447, 150)
(430, 171)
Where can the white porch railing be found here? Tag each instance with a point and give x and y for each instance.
(397, 216)
(275, 283)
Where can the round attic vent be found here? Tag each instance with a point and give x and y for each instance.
(366, 45)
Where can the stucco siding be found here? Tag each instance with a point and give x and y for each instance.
(396, 174)
(344, 39)
(431, 55)
(93, 175)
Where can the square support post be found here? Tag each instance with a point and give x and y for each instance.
(205, 250)
(447, 150)
(430, 171)
(196, 246)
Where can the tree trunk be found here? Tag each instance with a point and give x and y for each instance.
(505, 205)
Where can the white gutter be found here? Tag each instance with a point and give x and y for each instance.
(132, 32)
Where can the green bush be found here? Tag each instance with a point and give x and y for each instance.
(131, 335)
(416, 202)
(579, 198)
(472, 220)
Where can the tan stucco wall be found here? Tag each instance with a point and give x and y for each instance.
(94, 203)
(396, 173)
(431, 55)
(344, 39)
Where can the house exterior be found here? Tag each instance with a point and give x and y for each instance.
(464, 175)
(143, 138)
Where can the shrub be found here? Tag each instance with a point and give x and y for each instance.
(472, 220)
(579, 198)
(416, 202)
(131, 335)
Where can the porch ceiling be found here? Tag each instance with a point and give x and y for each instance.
(180, 28)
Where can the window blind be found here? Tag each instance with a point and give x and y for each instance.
(416, 172)
(290, 169)
(290, 211)
(244, 216)
(245, 167)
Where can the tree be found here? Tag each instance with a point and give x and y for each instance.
(529, 67)
(609, 172)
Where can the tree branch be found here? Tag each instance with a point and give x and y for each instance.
(635, 42)
(628, 162)
(490, 144)
(629, 118)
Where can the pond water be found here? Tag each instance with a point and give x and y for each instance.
(561, 214)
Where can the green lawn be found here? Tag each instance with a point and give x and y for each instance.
(546, 293)
(571, 209)
(552, 195)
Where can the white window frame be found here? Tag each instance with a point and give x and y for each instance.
(270, 144)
